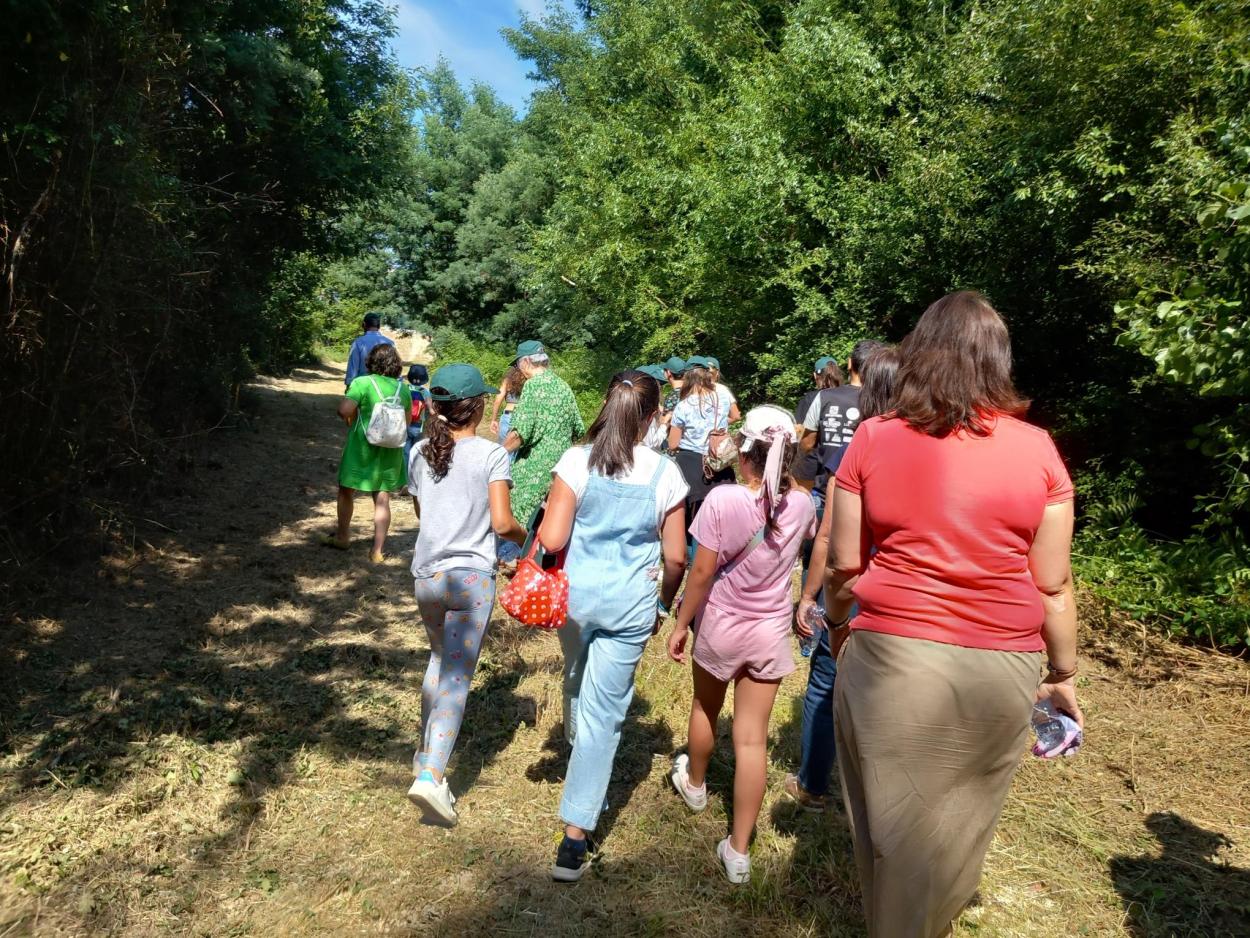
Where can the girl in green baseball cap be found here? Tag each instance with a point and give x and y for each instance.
(461, 490)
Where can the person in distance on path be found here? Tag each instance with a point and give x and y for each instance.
(364, 467)
(358, 357)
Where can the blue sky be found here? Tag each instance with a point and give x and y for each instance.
(466, 33)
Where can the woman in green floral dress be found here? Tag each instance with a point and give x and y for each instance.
(545, 423)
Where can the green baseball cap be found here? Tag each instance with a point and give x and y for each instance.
(698, 361)
(527, 348)
(458, 382)
(675, 365)
(714, 362)
(821, 363)
(653, 371)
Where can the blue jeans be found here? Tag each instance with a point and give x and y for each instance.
(414, 437)
(816, 761)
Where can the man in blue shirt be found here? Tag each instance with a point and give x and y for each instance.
(363, 346)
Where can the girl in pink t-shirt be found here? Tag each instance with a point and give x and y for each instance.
(738, 600)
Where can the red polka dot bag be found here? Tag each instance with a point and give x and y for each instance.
(536, 597)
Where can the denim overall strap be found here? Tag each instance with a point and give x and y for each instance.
(612, 552)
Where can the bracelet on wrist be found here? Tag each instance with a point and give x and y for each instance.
(663, 609)
(831, 625)
(1059, 675)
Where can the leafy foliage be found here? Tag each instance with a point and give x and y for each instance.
(167, 165)
(771, 181)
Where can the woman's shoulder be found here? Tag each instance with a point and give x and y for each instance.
(1018, 427)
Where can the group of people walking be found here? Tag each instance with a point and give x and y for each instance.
(933, 526)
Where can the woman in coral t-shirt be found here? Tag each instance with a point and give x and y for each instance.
(970, 512)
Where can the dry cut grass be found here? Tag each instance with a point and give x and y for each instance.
(211, 734)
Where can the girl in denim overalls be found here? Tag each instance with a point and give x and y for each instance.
(612, 503)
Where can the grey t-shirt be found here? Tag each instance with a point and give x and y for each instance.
(455, 511)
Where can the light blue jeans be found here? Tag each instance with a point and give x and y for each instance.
(598, 689)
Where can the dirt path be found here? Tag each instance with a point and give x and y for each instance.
(210, 734)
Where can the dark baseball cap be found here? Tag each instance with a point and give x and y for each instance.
(527, 348)
(458, 382)
(821, 363)
(675, 365)
(653, 371)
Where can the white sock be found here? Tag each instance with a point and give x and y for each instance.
(732, 854)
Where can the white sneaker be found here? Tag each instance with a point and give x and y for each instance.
(434, 799)
(679, 775)
(737, 865)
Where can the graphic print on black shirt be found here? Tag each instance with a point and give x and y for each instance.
(838, 418)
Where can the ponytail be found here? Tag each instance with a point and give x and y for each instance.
(446, 416)
(633, 398)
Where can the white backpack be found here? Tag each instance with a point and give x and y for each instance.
(387, 427)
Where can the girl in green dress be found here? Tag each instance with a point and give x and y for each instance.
(364, 467)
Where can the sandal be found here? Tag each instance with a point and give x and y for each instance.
(329, 540)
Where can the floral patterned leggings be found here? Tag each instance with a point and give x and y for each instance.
(455, 606)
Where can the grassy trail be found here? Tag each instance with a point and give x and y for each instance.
(211, 732)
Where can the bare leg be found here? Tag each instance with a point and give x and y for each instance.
(381, 521)
(709, 697)
(753, 705)
(347, 500)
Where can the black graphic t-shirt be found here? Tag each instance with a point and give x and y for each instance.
(834, 415)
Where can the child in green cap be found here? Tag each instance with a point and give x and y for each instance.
(461, 490)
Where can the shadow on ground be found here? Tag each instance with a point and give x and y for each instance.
(1185, 889)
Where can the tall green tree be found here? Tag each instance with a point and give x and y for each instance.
(167, 166)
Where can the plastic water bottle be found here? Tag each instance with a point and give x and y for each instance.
(1057, 733)
(816, 622)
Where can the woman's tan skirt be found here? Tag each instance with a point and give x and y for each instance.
(928, 739)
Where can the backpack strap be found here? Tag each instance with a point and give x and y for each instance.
(743, 554)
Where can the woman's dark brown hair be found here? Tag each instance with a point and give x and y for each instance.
(384, 360)
(633, 398)
(446, 416)
(878, 377)
(513, 381)
(956, 369)
(829, 377)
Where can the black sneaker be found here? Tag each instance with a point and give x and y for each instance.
(572, 860)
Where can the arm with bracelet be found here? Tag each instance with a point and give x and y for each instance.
(849, 546)
(1051, 567)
